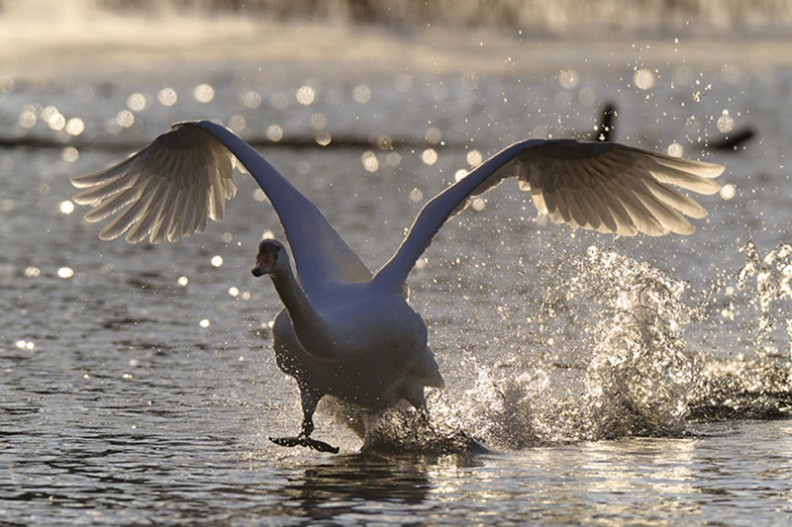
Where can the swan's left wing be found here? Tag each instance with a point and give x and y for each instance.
(606, 187)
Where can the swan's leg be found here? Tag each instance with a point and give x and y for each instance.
(309, 401)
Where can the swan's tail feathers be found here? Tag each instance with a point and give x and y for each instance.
(165, 192)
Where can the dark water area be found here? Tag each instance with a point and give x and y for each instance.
(614, 380)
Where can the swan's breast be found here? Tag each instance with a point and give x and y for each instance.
(378, 325)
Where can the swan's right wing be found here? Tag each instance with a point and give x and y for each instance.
(172, 187)
(164, 192)
(607, 187)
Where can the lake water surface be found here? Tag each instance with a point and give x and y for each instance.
(615, 381)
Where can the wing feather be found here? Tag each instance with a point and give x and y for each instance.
(188, 160)
(172, 188)
(607, 187)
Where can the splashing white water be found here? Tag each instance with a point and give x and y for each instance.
(608, 360)
(628, 373)
(757, 381)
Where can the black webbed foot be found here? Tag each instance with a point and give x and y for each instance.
(314, 444)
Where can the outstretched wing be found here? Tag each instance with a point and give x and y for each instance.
(166, 191)
(172, 187)
(606, 187)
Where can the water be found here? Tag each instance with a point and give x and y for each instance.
(616, 381)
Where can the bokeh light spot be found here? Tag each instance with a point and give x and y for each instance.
(274, 133)
(361, 93)
(125, 119)
(568, 79)
(137, 102)
(75, 126)
(725, 123)
(474, 158)
(70, 154)
(644, 79)
(204, 93)
(728, 192)
(251, 99)
(306, 95)
(66, 207)
(675, 150)
(167, 97)
(429, 156)
(370, 161)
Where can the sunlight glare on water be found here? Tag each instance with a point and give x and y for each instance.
(615, 380)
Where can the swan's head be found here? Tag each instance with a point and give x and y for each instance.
(272, 258)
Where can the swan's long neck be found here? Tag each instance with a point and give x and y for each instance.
(309, 326)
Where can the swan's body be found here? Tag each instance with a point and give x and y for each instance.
(346, 331)
(328, 347)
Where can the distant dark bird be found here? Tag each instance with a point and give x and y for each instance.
(606, 131)
(732, 141)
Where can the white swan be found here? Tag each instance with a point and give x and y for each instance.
(346, 331)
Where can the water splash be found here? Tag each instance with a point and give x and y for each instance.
(772, 279)
(403, 429)
(609, 359)
(757, 381)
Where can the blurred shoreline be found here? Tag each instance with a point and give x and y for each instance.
(104, 45)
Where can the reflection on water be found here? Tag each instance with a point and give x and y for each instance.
(133, 478)
(351, 489)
